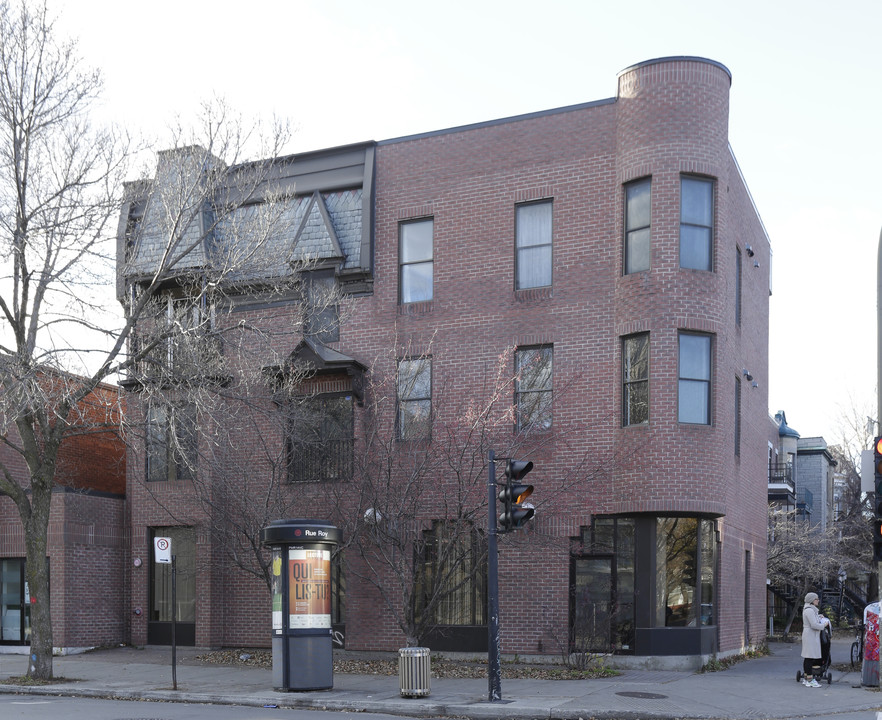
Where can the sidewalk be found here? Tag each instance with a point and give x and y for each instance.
(761, 688)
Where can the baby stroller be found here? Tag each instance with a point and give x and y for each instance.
(823, 672)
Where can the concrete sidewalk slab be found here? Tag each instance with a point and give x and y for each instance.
(764, 687)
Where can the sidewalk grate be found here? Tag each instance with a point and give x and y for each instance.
(642, 695)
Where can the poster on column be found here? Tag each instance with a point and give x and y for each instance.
(309, 588)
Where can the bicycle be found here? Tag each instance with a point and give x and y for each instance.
(857, 647)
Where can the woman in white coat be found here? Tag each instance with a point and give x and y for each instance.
(812, 624)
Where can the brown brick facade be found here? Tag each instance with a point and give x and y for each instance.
(669, 120)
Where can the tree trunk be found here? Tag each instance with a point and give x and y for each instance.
(37, 576)
(797, 606)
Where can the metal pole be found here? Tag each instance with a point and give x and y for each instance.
(174, 621)
(874, 579)
(494, 676)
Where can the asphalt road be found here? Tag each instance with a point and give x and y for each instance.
(35, 707)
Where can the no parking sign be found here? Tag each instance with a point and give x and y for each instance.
(162, 549)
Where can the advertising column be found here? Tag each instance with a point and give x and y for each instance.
(301, 603)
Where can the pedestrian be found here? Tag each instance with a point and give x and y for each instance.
(812, 624)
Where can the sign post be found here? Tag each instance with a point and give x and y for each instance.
(162, 552)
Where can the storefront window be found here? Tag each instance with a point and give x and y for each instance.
(708, 571)
(676, 562)
(686, 569)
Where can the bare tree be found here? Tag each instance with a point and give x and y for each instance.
(801, 557)
(415, 524)
(59, 200)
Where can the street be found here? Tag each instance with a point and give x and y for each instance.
(37, 707)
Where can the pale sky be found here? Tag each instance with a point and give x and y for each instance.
(806, 105)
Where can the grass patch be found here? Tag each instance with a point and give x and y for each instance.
(720, 664)
(27, 681)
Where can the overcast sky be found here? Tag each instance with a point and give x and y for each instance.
(804, 121)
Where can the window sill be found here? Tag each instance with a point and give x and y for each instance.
(540, 293)
(416, 308)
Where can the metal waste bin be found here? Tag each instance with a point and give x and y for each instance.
(301, 607)
(414, 671)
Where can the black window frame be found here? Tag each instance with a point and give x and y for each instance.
(178, 442)
(405, 399)
(317, 454)
(631, 384)
(540, 411)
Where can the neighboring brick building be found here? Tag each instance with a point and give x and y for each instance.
(615, 246)
(88, 537)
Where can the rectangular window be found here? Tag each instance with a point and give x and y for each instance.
(694, 392)
(737, 416)
(635, 374)
(707, 538)
(171, 443)
(533, 367)
(533, 239)
(737, 286)
(321, 311)
(320, 438)
(451, 581)
(416, 255)
(676, 568)
(414, 398)
(696, 223)
(638, 204)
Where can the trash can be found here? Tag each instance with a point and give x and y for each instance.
(414, 671)
(870, 665)
(301, 609)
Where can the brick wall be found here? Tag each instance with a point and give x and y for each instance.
(669, 118)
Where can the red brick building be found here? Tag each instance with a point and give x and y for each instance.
(88, 536)
(611, 252)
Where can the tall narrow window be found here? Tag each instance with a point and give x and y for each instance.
(694, 390)
(707, 538)
(416, 257)
(533, 235)
(414, 398)
(737, 416)
(321, 312)
(737, 286)
(533, 388)
(635, 373)
(171, 443)
(747, 593)
(638, 204)
(696, 223)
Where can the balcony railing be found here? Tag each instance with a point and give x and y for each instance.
(781, 474)
(332, 460)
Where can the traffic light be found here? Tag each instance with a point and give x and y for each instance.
(877, 501)
(513, 494)
(877, 476)
(877, 540)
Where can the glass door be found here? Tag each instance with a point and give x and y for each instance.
(15, 608)
(159, 625)
(591, 608)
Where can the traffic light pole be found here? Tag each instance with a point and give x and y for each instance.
(494, 674)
